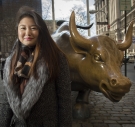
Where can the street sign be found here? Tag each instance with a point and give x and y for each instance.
(125, 5)
(102, 23)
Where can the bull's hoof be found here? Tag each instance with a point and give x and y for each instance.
(81, 111)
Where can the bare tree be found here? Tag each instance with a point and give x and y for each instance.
(80, 17)
(46, 7)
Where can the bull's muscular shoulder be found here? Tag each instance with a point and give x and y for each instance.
(62, 37)
(63, 27)
(62, 31)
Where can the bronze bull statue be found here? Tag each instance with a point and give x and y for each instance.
(95, 64)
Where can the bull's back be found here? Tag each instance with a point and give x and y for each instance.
(63, 42)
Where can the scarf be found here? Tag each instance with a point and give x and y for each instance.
(24, 65)
(22, 106)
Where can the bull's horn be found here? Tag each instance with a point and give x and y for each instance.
(128, 38)
(77, 38)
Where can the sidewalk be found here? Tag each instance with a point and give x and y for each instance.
(105, 113)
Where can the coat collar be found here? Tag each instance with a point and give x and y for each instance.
(22, 106)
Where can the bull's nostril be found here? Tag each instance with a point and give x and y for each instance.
(113, 82)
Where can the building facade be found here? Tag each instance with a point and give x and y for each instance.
(8, 10)
(117, 25)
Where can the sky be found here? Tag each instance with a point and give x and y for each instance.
(65, 7)
(91, 3)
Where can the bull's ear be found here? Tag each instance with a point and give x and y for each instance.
(76, 48)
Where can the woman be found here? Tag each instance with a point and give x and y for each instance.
(36, 78)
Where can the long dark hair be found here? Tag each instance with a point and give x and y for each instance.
(45, 48)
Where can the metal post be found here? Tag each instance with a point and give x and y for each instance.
(88, 16)
(53, 16)
(125, 50)
(108, 17)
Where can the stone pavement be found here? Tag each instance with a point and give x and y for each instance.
(105, 113)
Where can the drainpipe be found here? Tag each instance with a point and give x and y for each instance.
(108, 20)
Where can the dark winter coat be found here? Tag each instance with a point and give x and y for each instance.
(43, 104)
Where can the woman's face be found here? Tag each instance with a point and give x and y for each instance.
(28, 31)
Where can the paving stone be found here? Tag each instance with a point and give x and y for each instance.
(92, 118)
(107, 109)
(128, 125)
(114, 125)
(126, 113)
(86, 125)
(113, 112)
(114, 118)
(94, 115)
(109, 121)
(126, 118)
(96, 121)
(102, 118)
(133, 117)
(76, 124)
(100, 125)
(105, 115)
(127, 110)
(117, 109)
(124, 121)
(103, 111)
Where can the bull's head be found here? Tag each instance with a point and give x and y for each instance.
(101, 59)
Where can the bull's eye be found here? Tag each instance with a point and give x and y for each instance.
(97, 57)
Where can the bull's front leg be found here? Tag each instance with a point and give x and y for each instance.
(81, 109)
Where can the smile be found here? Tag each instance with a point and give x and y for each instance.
(28, 39)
